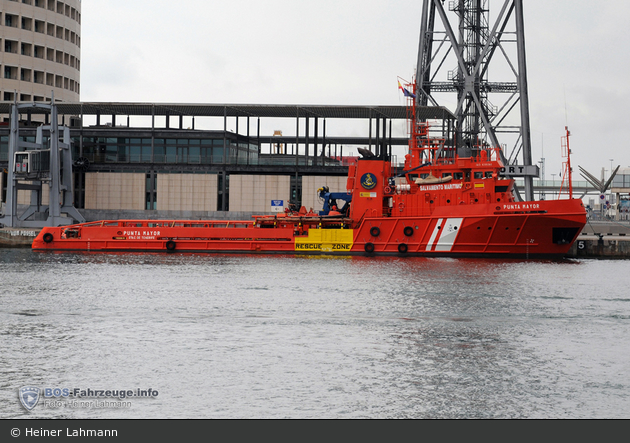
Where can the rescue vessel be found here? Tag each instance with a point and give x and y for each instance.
(440, 204)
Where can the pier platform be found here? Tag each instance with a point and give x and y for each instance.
(17, 237)
(602, 239)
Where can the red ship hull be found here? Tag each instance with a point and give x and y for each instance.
(517, 230)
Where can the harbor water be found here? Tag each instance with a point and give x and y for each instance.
(240, 336)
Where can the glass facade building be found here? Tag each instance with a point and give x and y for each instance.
(166, 150)
(191, 148)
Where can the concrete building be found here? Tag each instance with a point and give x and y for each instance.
(40, 50)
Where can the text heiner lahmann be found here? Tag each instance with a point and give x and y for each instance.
(31, 432)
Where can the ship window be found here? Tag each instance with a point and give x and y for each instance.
(458, 175)
(478, 175)
(488, 174)
(446, 174)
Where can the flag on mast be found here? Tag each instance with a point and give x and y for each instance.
(406, 92)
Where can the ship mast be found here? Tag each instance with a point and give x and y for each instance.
(566, 165)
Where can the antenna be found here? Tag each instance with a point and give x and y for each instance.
(542, 164)
(566, 113)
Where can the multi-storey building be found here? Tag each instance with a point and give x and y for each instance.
(40, 50)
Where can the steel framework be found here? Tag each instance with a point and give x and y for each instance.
(472, 45)
(55, 173)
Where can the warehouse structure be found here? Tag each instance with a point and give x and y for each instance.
(172, 168)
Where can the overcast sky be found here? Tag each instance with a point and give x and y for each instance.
(350, 52)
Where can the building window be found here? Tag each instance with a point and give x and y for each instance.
(10, 20)
(10, 72)
(151, 190)
(26, 49)
(25, 75)
(27, 23)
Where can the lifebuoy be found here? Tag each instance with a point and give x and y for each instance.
(402, 248)
(387, 190)
(170, 245)
(375, 231)
(408, 231)
(369, 247)
(48, 237)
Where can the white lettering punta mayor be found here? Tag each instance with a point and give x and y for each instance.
(152, 233)
(520, 206)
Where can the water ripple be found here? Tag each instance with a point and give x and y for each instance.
(223, 336)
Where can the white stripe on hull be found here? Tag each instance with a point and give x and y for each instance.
(449, 234)
(435, 233)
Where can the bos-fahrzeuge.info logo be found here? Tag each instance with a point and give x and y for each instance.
(31, 396)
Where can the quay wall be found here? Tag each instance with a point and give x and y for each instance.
(17, 237)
